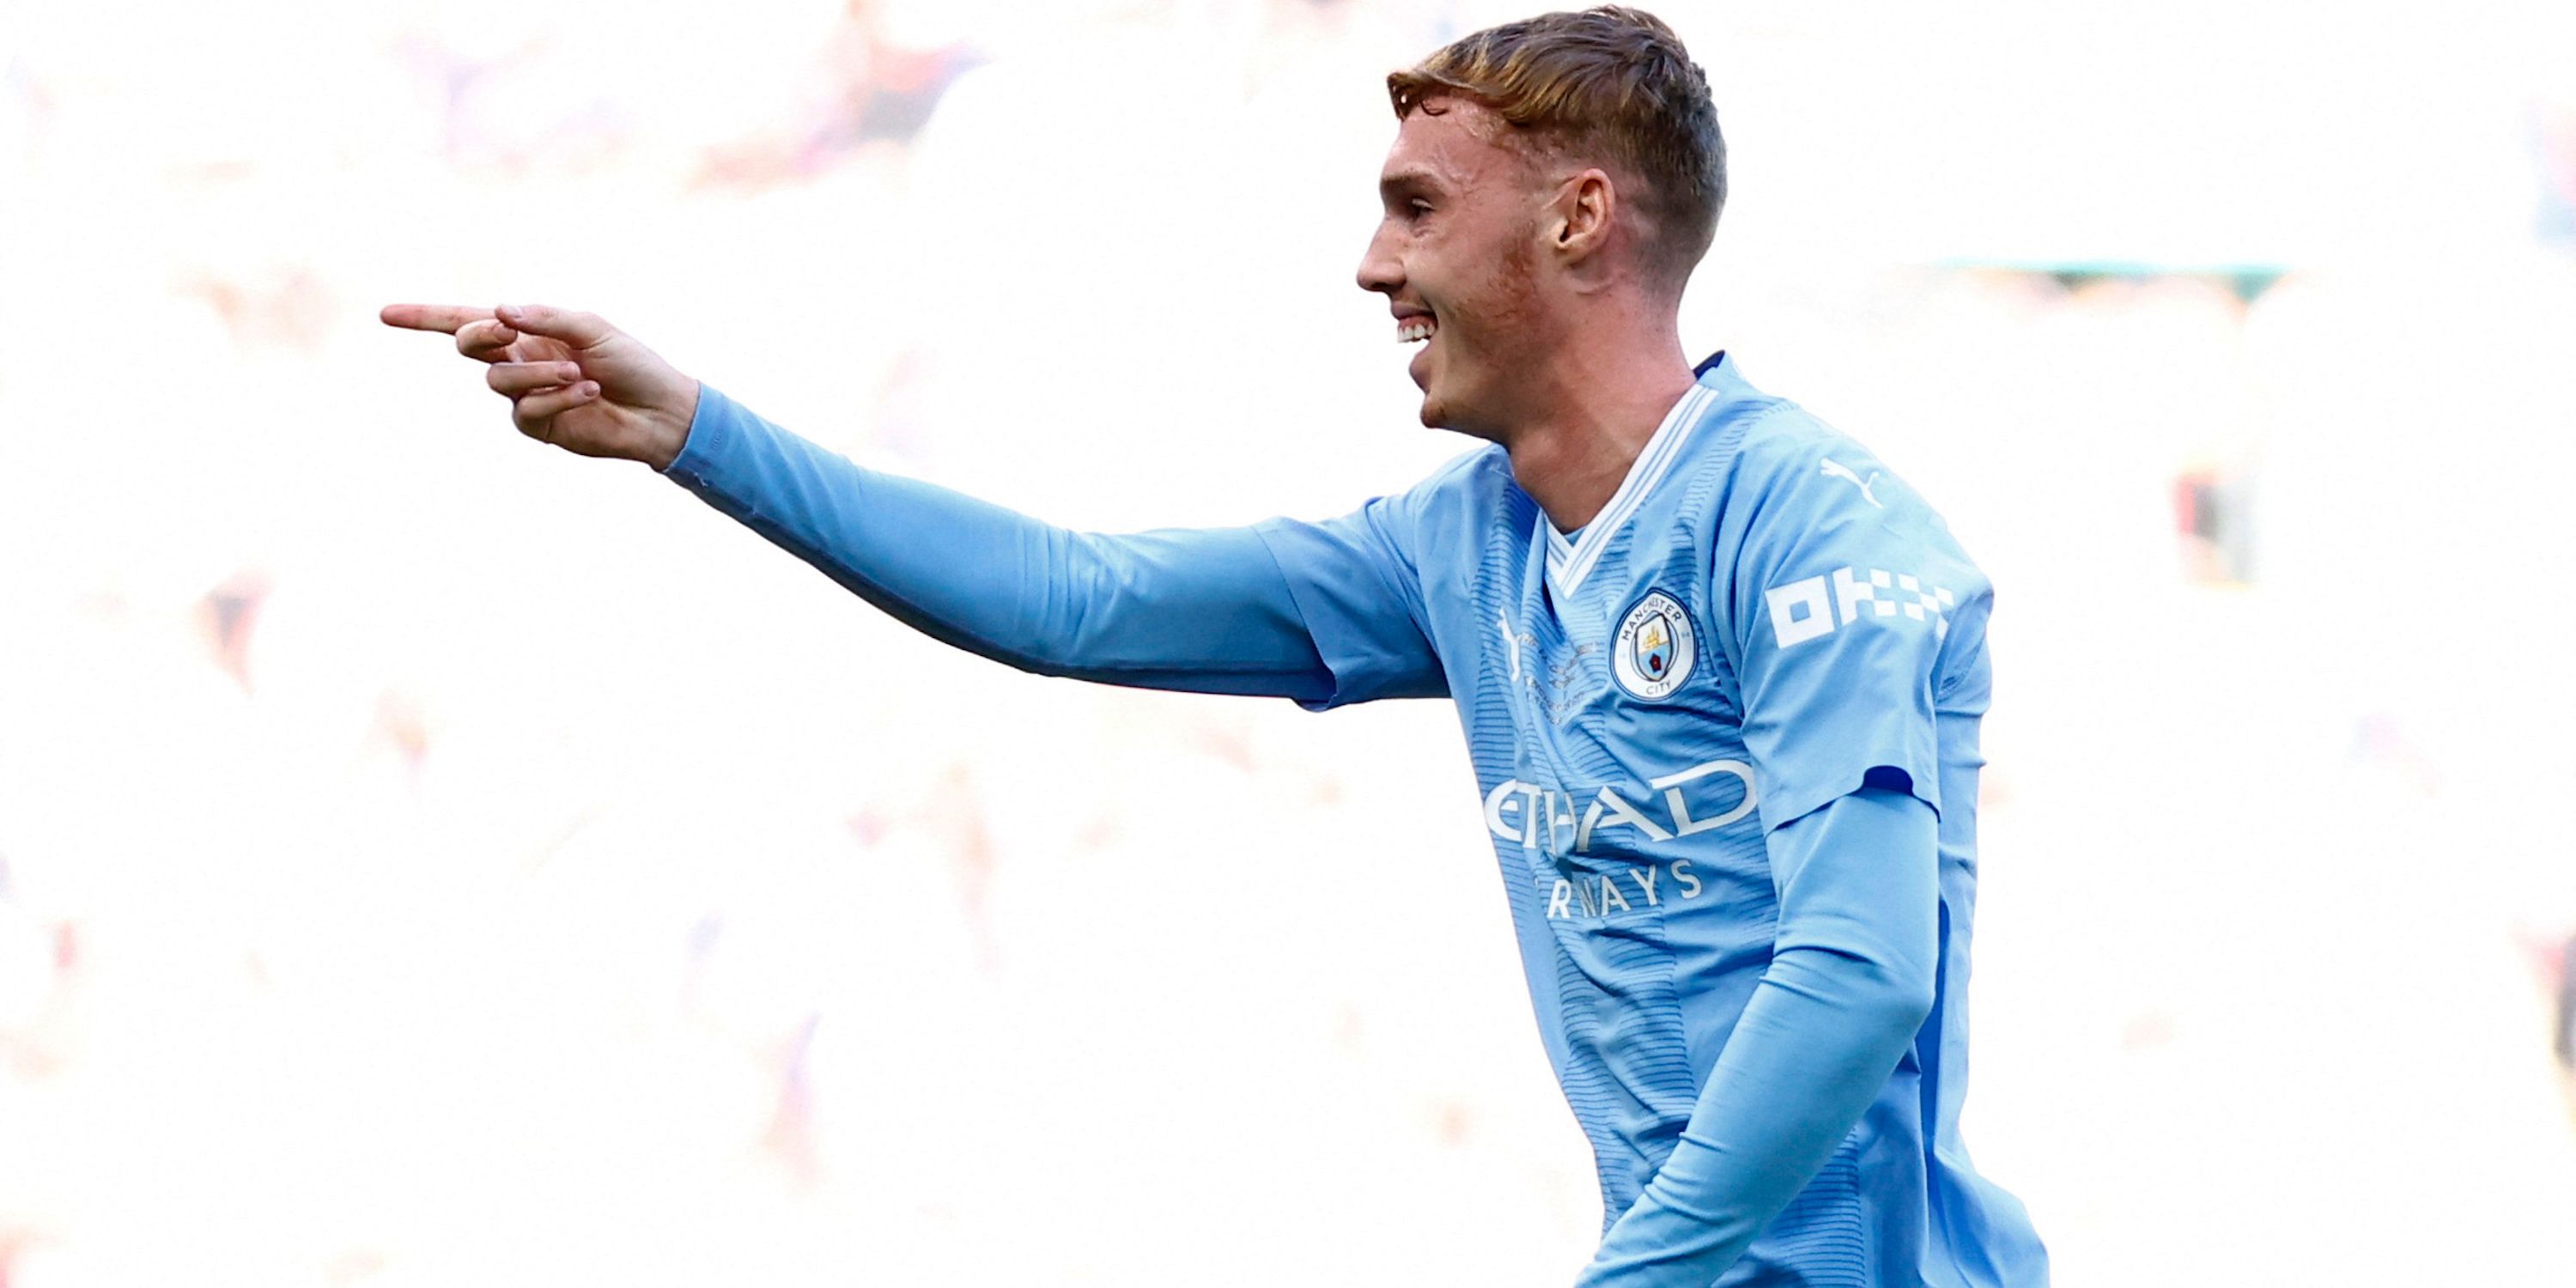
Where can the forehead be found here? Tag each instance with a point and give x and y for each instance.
(1455, 142)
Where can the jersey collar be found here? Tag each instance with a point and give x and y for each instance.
(1570, 560)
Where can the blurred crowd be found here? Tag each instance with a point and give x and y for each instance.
(426, 858)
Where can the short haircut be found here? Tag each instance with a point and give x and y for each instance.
(1612, 83)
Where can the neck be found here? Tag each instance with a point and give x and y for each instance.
(1595, 408)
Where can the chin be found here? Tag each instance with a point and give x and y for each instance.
(1443, 407)
(1437, 401)
(1441, 415)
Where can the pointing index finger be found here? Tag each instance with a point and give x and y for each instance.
(431, 317)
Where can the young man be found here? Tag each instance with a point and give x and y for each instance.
(1720, 672)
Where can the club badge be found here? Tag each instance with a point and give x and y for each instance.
(1655, 648)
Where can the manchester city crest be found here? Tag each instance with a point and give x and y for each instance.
(1655, 648)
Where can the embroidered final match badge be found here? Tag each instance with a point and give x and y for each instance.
(1655, 648)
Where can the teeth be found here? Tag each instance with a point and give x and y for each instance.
(1417, 329)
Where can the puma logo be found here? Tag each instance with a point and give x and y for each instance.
(1837, 469)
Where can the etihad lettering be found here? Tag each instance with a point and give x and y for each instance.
(1683, 804)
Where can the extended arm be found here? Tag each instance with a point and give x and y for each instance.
(1202, 610)
(1322, 613)
(1850, 982)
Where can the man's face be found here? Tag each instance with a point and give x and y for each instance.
(1455, 254)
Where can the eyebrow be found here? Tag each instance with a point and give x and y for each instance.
(1406, 182)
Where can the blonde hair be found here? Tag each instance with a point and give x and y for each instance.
(1612, 83)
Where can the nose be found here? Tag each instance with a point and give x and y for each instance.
(1380, 269)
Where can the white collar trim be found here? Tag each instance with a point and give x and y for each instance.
(1569, 562)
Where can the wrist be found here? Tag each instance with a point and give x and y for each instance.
(668, 436)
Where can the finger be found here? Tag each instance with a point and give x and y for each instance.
(533, 412)
(485, 341)
(516, 378)
(580, 330)
(431, 317)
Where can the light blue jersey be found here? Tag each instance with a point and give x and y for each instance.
(1760, 617)
(1726, 742)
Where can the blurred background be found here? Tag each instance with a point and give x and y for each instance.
(430, 859)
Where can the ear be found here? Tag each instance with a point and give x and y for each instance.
(1578, 223)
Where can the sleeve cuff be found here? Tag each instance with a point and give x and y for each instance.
(1783, 803)
(713, 430)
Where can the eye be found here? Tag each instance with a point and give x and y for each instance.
(1417, 207)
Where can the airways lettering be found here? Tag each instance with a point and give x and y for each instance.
(1600, 894)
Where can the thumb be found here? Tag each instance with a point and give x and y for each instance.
(580, 330)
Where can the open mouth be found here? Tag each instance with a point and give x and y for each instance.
(1415, 329)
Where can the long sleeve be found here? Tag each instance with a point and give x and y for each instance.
(1849, 984)
(1204, 610)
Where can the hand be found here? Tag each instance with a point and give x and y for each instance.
(572, 379)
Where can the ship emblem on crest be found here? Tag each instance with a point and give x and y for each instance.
(1655, 648)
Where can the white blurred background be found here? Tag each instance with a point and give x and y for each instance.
(429, 859)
